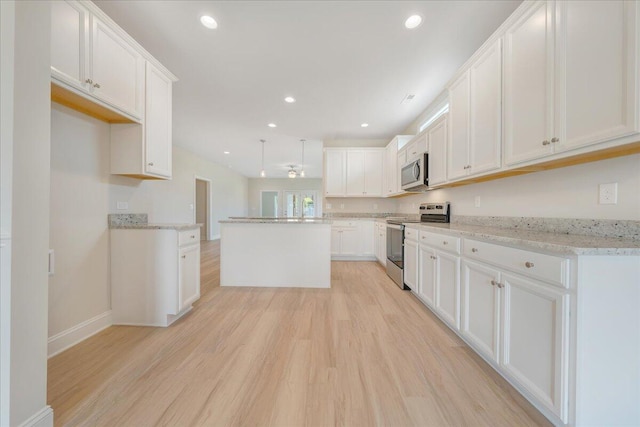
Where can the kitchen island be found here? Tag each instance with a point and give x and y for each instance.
(275, 252)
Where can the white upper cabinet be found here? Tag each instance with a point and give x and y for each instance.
(69, 43)
(437, 135)
(157, 127)
(350, 172)
(571, 77)
(334, 172)
(475, 114)
(391, 181)
(117, 70)
(528, 84)
(596, 73)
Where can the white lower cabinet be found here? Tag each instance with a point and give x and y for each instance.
(448, 288)
(427, 275)
(353, 240)
(380, 242)
(155, 275)
(410, 271)
(535, 339)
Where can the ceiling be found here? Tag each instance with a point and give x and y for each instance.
(345, 62)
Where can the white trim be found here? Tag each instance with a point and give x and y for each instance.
(209, 202)
(42, 418)
(80, 332)
(215, 237)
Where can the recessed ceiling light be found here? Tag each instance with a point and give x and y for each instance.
(226, 152)
(271, 125)
(290, 99)
(209, 22)
(413, 21)
(364, 125)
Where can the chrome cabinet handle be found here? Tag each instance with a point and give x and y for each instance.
(432, 257)
(193, 236)
(96, 86)
(184, 256)
(528, 264)
(150, 163)
(498, 284)
(445, 242)
(494, 283)
(545, 142)
(554, 139)
(89, 81)
(474, 250)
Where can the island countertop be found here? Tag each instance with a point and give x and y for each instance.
(257, 220)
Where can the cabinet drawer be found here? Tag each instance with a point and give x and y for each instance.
(411, 233)
(440, 241)
(344, 223)
(550, 268)
(188, 237)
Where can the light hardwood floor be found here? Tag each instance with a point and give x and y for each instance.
(362, 353)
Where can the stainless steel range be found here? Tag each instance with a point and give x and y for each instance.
(429, 212)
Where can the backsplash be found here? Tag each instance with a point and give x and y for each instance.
(127, 219)
(626, 229)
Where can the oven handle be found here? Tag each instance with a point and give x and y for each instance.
(395, 227)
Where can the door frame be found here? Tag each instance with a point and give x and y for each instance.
(209, 202)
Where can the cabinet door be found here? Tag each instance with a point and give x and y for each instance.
(366, 231)
(411, 265)
(481, 308)
(535, 339)
(383, 244)
(597, 77)
(355, 173)
(336, 240)
(458, 151)
(437, 136)
(486, 110)
(373, 168)
(334, 172)
(157, 123)
(391, 168)
(69, 41)
(427, 275)
(448, 288)
(350, 244)
(189, 282)
(117, 70)
(528, 98)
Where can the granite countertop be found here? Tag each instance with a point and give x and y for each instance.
(565, 244)
(237, 220)
(141, 222)
(147, 226)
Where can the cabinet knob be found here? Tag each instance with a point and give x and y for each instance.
(422, 237)
(183, 256)
(474, 250)
(150, 163)
(89, 81)
(444, 242)
(432, 257)
(545, 142)
(528, 264)
(193, 236)
(494, 283)
(97, 85)
(554, 139)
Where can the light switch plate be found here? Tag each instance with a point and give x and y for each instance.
(122, 206)
(477, 202)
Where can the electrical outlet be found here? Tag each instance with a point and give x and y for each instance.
(608, 193)
(122, 206)
(477, 201)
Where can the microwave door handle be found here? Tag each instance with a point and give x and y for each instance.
(416, 171)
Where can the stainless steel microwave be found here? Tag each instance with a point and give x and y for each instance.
(414, 176)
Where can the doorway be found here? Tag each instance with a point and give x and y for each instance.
(269, 204)
(202, 211)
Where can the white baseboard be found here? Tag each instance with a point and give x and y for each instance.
(80, 332)
(215, 237)
(43, 418)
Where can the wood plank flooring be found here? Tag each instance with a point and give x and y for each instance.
(363, 353)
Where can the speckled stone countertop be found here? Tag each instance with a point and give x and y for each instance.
(563, 244)
(140, 222)
(238, 220)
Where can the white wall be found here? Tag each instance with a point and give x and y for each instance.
(83, 194)
(570, 192)
(30, 212)
(256, 185)
(356, 142)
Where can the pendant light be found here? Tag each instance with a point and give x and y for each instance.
(302, 164)
(262, 172)
(292, 172)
